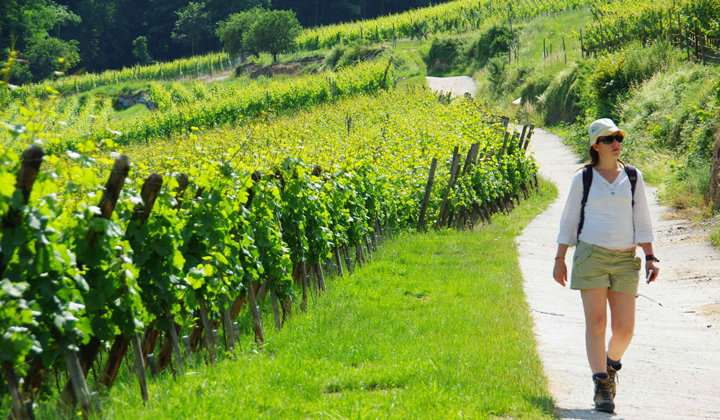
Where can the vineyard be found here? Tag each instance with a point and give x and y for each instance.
(237, 214)
(456, 16)
(692, 25)
(192, 67)
(80, 119)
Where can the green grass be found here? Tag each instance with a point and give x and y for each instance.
(435, 327)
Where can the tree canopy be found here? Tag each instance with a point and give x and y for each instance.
(104, 33)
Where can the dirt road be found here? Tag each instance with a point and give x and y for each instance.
(672, 367)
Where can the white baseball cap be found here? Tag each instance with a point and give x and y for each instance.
(602, 127)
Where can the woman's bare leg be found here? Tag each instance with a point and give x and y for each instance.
(622, 310)
(595, 304)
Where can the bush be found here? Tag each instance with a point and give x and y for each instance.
(560, 101)
(533, 88)
(357, 54)
(496, 75)
(49, 55)
(445, 52)
(335, 55)
(491, 42)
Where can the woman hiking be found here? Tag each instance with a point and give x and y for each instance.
(606, 216)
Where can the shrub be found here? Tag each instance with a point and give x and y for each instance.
(358, 53)
(491, 42)
(560, 101)
(496, 75)
(445, 52)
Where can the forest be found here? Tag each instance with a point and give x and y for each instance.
(97, 35)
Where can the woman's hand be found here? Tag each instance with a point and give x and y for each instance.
(651, 265)
(560, 271)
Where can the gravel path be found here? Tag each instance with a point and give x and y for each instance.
(458, 85)
(672, 367)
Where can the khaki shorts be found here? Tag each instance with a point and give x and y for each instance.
(595, 268)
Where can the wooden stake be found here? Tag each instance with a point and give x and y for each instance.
(320, 277)
(12, 382)
(426, 198)
(257, 319)
(209, 339)
(456, 158)
(227, 324)
(174, 341)
(77, 381)
(276, 309)
(338, 261)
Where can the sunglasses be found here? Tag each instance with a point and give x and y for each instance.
(609, 139)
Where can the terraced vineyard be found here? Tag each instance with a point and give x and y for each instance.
(82, 119)
(269, 208)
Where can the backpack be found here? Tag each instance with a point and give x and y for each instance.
(587, 175)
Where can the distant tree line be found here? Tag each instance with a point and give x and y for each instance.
(108, 34)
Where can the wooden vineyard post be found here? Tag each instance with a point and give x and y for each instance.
(175, 342)
(303, 303)
(149, 194)
(426, 198)
(505, 143)
(359, 257)
(111, 193)
(227, 324)
(31, 159)
(527, 137)
(209, 339)
(276, 310)
(12, 382)
(338, 261)
(456, 158)
(76, 376)
(320, 277)
(257, 319)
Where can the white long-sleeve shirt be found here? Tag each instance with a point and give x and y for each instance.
(610, 220)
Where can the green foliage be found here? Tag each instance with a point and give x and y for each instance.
(445, 51)
(273, 32)
(140, 51)
(496, 74)
(192, 26)
(50, 55)
(232, 30)
(493, 41)
(226, 104)
(560, 100)
(377, 323)
(356, 54)
(452, 16)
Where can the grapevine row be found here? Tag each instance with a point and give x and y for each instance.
(87, 262)
(454, 16)
(182, 68)
(618, 21)
(80, 120)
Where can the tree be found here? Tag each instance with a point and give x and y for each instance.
(49, 55)
(192, 26)
(274, 32)
(231, 31)
(140, 51)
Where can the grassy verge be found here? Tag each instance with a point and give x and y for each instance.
(435, 327)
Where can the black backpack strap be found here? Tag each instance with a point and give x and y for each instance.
(632, 175)
(587, 176)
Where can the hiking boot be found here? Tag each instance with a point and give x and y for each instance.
(614, 378)
(604, 395)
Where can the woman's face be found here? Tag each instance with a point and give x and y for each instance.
(609, 151)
